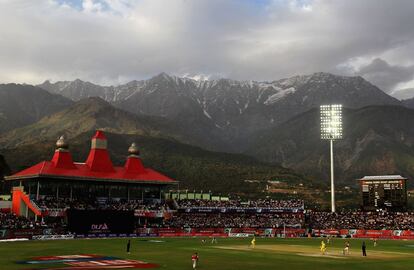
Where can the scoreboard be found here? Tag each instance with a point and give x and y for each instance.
(384, 192)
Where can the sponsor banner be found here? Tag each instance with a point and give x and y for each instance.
(54, 212)
(28, 233)
(241, 235)
(25, 233)
(387, 234)
(326, 232)
(149, 214)
(291, 230)
(344, 232)
(111, 235)
(53, 237)
(148, 235)
(240, 210)
(407, 233)
(153, 214)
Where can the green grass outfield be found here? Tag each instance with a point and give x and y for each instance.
(175, 253)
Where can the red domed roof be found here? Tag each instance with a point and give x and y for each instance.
(98, 167)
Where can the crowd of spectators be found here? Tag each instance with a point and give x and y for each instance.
(11, 221)
(51, 203)
(203, 220)
(260, 203)
(182, 218)
(47, 203)
(361, 220)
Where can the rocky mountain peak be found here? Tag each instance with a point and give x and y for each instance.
(234, 109)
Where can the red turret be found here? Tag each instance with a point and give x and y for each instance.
(98, 159)
(62, 158)
(99, 135)
(134, 163)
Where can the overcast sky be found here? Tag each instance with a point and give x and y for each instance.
(112, 42)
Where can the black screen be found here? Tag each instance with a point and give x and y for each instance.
(100, 221)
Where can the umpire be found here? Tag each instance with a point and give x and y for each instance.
(129, 247)
(364, 249)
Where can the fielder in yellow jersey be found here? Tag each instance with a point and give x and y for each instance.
(253, 242)
(323, 247)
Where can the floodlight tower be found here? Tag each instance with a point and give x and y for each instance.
(331, 129)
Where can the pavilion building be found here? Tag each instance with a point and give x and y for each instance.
(95, 179)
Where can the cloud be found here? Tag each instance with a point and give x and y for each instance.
(385, 75)
(111, 42)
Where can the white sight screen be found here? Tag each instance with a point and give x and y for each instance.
(331, 122)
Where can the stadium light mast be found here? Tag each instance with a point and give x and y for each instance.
(331, 129)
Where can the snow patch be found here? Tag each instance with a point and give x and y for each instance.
(280, 95)
(206, 114)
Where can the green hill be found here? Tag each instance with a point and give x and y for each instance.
(194, 167)
(85, 115)
(25, 104)
(95, 113)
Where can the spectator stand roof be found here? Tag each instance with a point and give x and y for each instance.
(97, 167)
(382, 177)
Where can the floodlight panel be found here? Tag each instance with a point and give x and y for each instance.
(331, 122)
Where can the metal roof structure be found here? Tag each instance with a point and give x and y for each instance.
(382, 177)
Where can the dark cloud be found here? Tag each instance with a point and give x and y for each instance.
(386, 76)
(115, 41)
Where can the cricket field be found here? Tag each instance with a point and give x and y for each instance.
(230, 253)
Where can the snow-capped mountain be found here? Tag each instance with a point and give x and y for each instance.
(78, 89)
(228, 109)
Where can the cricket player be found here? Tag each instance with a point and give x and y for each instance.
(375, 242)
(128, 249)
(323, 247)
(364, 249)
(253, 242)
(346, 248)
(194, 259)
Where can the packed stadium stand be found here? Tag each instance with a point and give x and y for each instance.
(377, 220)
(217, 218)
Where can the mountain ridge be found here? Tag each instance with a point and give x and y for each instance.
(234, 110)
(24, 104)
(91, 114)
